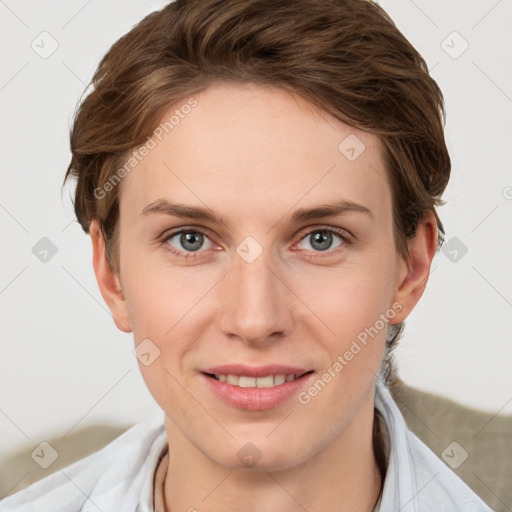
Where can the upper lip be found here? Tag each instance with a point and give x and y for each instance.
(255, 371)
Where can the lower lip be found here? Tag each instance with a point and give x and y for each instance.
(256, 399)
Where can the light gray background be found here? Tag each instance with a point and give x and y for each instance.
(65, 366)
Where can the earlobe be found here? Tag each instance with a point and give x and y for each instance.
(414, 270)
(108, 280)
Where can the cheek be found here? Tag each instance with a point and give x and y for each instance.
(159, 302)
(354, 304)
(348, 299)
(155, 292)
(166, 304)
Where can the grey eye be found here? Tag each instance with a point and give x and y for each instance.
(188, 240)
(321, 240)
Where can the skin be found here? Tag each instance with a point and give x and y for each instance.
(254, 155)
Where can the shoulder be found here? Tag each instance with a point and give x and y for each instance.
(475, 444)
(106, 479)
(438, 487)
(417, 480)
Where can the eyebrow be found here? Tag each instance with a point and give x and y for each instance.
(162, 206)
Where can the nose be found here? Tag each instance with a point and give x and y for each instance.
(256, 301)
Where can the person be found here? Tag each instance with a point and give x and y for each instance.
(259, 180)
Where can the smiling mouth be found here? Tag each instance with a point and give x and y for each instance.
(268, 381)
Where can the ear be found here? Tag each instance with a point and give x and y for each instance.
(108, 280)
(413, 271)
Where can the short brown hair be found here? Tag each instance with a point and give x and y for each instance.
(345, 56)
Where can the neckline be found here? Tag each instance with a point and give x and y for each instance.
(159, 477)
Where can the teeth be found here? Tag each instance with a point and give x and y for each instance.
(244, 381)
(232, 379)
(264, 382)
(247, 382)
(281, 379)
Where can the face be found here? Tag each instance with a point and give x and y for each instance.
(256, 240)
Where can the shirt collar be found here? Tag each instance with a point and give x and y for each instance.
(156, 454)
(400, 490)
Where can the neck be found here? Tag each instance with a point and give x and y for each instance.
(346, 472)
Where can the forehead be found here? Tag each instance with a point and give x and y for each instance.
(256, 148)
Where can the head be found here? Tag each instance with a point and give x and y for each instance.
(256, 112)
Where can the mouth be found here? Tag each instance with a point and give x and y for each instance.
(256, 388)
(248, 381)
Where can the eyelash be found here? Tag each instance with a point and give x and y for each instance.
(341, 233)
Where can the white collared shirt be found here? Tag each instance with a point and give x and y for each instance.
(119, 477)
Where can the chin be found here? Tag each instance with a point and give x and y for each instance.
(260, 455)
